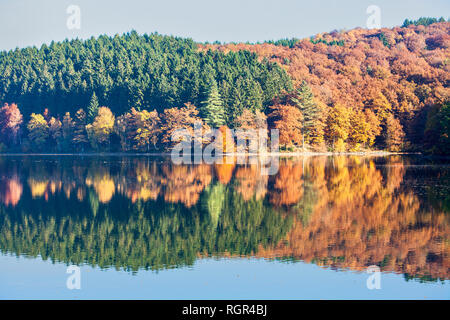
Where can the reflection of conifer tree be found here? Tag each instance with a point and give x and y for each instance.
(213, 200)
(93, 201)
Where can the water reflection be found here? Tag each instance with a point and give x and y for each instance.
(146, 213)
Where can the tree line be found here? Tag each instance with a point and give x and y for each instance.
(343, 91)
(302, 121)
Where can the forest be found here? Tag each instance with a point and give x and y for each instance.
(357, 90)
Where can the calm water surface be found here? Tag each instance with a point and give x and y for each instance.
(144, 228)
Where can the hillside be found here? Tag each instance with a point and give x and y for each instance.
(350, 90)
(405, 70)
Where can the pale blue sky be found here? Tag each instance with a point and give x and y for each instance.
(33, 22)
(240, 278)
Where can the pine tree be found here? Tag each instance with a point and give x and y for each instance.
(80, 139)
(67, 131)
(304, 101)
(92, 108)
(212, 108)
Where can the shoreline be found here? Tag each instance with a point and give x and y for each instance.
(266, 154)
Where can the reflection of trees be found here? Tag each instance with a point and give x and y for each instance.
(343, 212)
(185, 183)
(288, 185)
(250, 183)
(103, 184)
(151, 235)
(10, 186)
(367, 218)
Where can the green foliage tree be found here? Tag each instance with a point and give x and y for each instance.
(67, 132)
(424, 21)
(305, 102)
(80, 138)
(444, 132)
(92, 109)
(212, 108)
(132, 70)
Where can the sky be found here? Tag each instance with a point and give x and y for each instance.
(34, 22)
(240, 278)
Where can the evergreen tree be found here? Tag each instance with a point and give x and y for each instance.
(67, 131)
(92, 108)
(444, 129)
(131, 70)
(212, 108)
(304, 101)
(80, 138)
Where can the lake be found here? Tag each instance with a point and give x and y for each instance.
(141, 227)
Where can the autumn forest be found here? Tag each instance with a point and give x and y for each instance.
(355, 90)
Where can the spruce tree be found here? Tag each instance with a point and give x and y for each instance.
(92, 108)
(80, 138)
(304, 101)
(212, 108)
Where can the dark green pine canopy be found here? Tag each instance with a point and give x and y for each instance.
(141, 71)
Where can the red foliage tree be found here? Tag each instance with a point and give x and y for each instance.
(10, 124)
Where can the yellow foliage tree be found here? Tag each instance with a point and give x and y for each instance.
(359, 130)
(338, 126)
(100, 130)
(147, 126)
(374, 128)
(381, 106)
(37, 130)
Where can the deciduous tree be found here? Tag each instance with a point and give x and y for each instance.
(288, 120)
(10, 124)
(338, 126)
(38, 131)
(100, 130)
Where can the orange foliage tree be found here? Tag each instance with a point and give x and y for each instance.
(288, 120)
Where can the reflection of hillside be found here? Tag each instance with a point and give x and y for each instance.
(364, 218)
(150, 235)
(343, 212)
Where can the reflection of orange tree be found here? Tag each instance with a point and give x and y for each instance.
(224, 170)
(288, 184)
(250, 182)
(142, 183)
(185, 183)
(175, 183)
(366, 219)
(10, 190)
